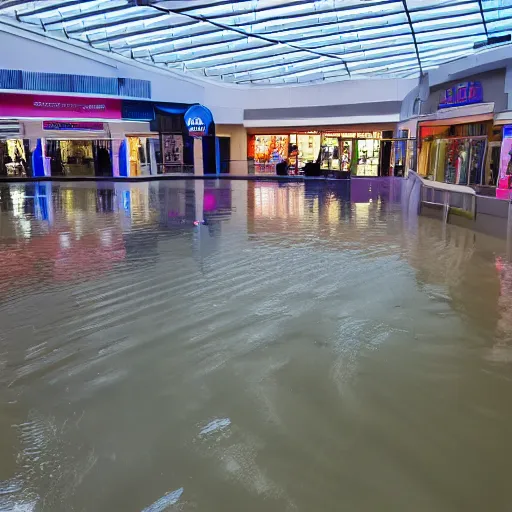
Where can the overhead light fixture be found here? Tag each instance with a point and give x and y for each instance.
(491, 41)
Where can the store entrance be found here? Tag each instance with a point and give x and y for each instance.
(79, 157)
(492, 165)
(15, 158)
(142, 155)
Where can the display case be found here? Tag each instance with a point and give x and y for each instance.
(269, 150)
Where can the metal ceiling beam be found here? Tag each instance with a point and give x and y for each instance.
(292, 42)
(259, 68)
(233, 39)
(399, 45)
(220, 73)
(263, 80)
(483, 17)
(99, 12)
(366, 59)
(301, 38)
(271, 18)
(51, 7)
(408, 14)
(229, 54)
(291, 72)
(304, 40)
(267, 39)
(376, 14)
(278, 30)
(9, 4)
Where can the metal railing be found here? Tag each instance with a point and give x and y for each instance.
(453, 199)
(175, 169)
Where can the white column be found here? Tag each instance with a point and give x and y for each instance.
(199, 199)
(198, 157)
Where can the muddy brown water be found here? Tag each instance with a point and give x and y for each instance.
(233, 346)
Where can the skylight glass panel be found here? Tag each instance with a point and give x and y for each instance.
(308, 40)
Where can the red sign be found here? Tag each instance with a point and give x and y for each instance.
(59, 107)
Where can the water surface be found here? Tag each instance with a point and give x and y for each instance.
(223, 345)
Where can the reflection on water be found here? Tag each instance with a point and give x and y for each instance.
(216, 345)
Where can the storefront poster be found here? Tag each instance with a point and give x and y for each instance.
(59, 107)
(172, 149)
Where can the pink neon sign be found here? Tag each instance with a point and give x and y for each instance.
(59, 107)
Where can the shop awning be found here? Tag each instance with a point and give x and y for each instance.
(170, 108)
(460, 115)
(503, 117)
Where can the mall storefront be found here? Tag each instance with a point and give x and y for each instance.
(58, 135)
(68, 136)
(464, 140)
(335, 152)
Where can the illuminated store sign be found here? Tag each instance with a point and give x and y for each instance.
(465, 93)
(73, 126)
(354, 135)
(60, 107)
(199, 121)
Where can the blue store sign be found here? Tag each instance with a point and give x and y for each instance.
(465, 93)
(199, 121)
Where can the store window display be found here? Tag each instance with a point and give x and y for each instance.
(15, 158)
(330, 153)
(368, 156)
(142, 155)
(454, 154)
(78, 158)
(308, 146)
(270, 150)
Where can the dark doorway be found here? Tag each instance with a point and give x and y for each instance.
(225, 152)
(209, 159)
(102, 158)
(385, 154)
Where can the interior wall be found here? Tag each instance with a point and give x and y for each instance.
(493, 84)
(411, 125)
(33, 52)
(237, 146)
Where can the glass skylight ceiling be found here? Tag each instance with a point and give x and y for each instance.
(276, 41)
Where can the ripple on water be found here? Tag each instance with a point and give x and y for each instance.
(296, 351)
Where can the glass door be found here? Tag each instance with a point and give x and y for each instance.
(346, 154)
(368, 155)
(330, 154)
(308, 147)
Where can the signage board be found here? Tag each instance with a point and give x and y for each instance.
(199, 121)
(82, 126)
(59, 107)
(465, 93)
(354, 135)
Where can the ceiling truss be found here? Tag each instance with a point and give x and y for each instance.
(273, 41)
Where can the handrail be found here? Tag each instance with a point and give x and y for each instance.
(438, 185)
(454, 199)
